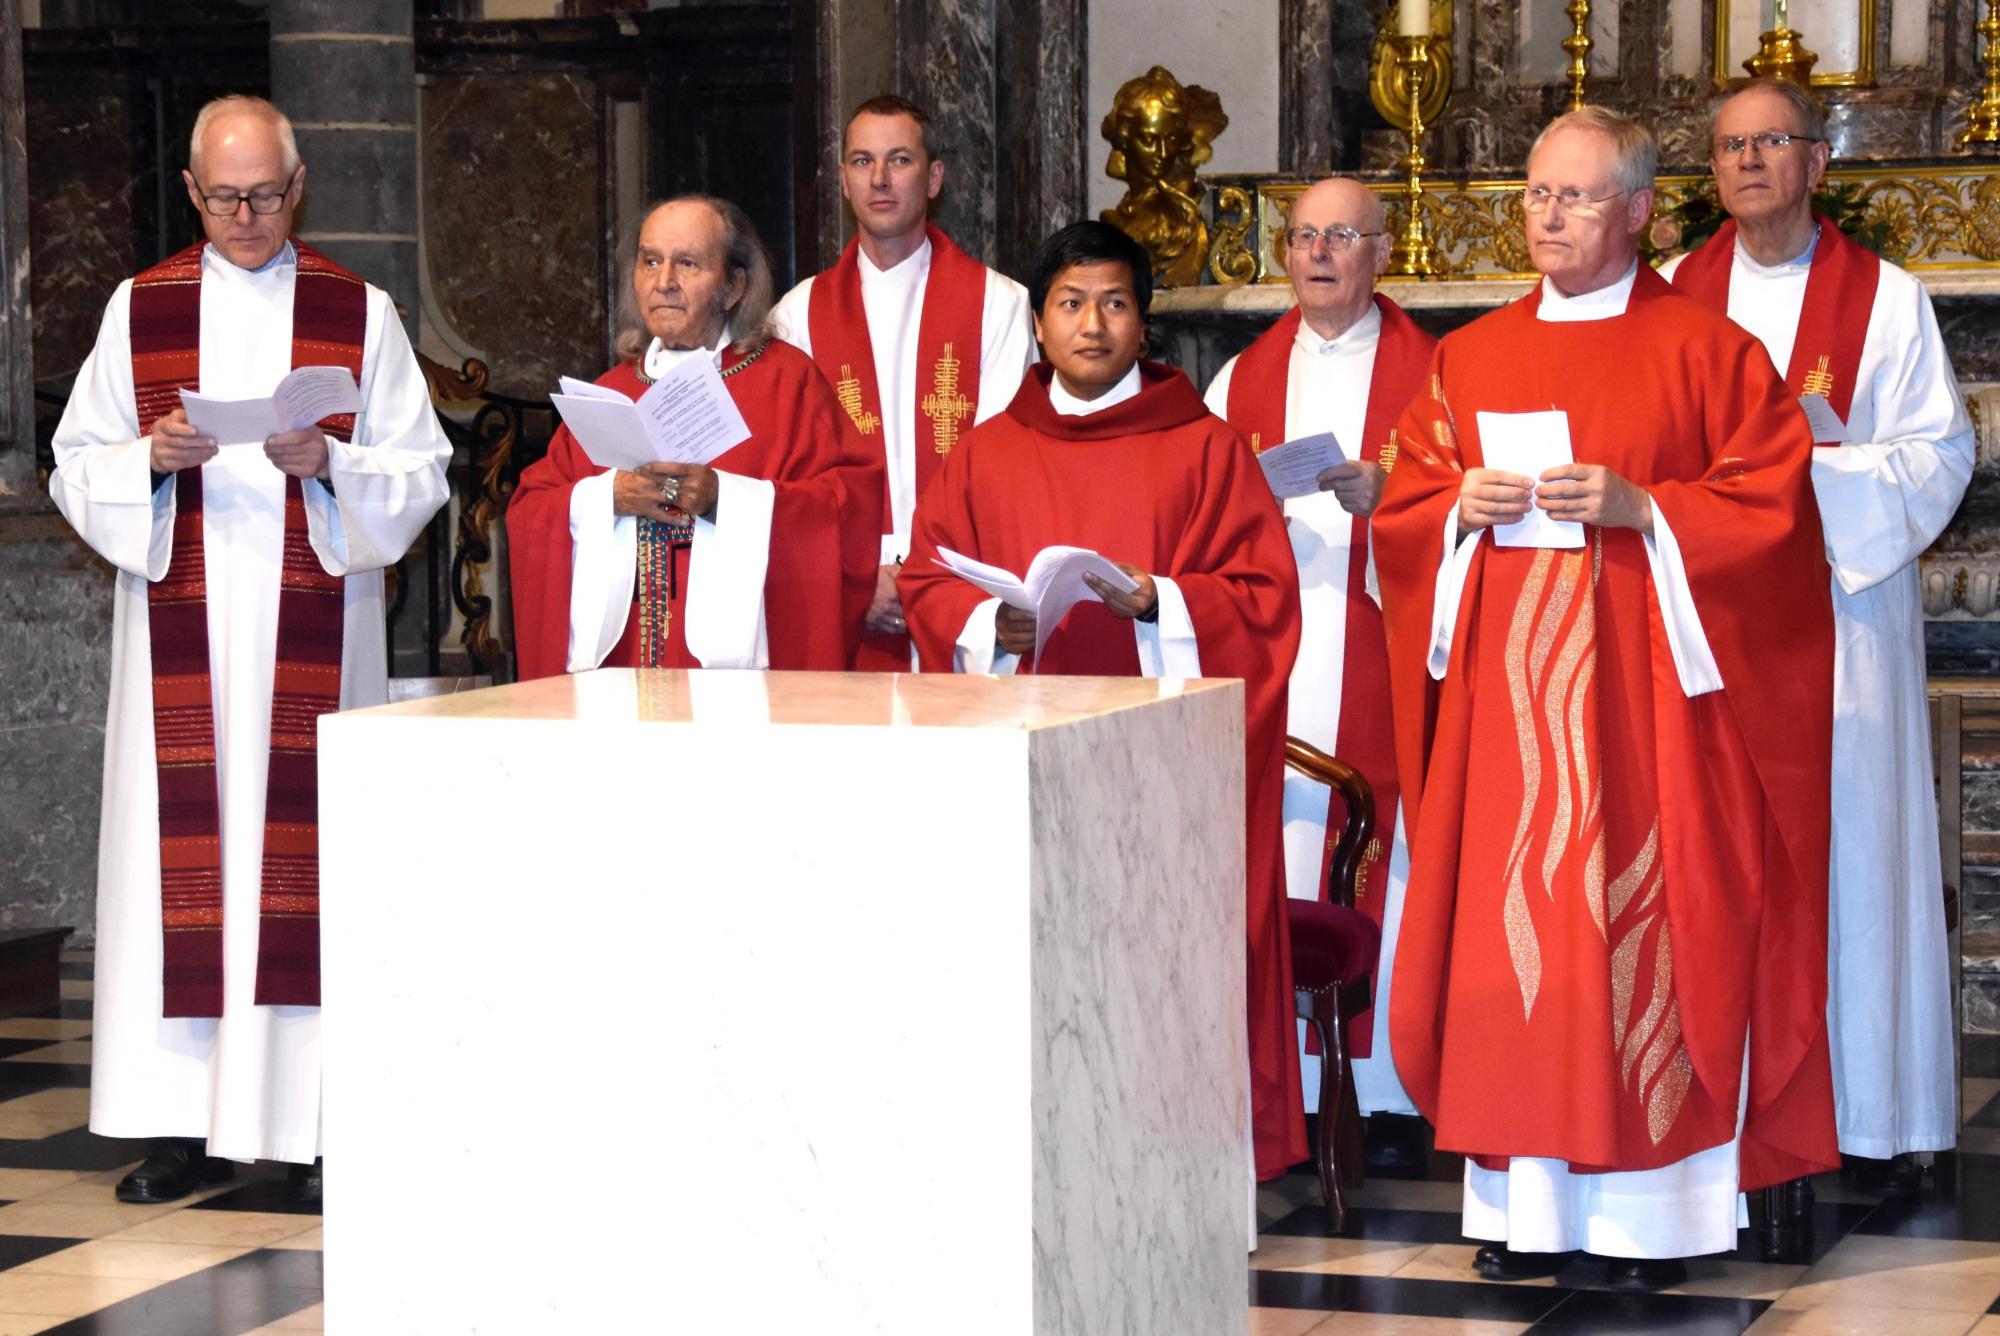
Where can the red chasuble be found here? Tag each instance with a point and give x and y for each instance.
(1159, 482)
(1833, 319)
(329, 327)
(1613, 882)
(1259, 392)
(944, 398)
(823, 540)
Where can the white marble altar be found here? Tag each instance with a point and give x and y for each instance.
(918, 999)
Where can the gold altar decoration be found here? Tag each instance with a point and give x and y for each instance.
(1414, 255)
(1932, 218)
(1982, 118)
(1578, 45)
(1388, 80)
(1782, 52)
(1161, 131)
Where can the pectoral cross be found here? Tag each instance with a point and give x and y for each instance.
(944, 405)
(1819, 380)
(849, 392)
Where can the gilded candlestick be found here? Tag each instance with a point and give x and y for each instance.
(1578, 45)
(1414, 256)
(1982, 118)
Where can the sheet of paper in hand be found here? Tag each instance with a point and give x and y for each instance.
(1293, 468)
(1529, 444)
(685, 417)
(1052, 586)
(302, 398)
(1827, 428)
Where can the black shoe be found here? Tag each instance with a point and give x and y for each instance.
(173, 1168)
(308, 1183)
(1898, 1179)
(1646, 1273)
(1394, 1141)
(1498, 1263)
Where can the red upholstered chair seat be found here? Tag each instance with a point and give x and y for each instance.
(1331, 944)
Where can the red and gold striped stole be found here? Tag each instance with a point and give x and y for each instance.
(329, 321)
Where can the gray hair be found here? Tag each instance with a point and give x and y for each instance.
(743, 252)
(1812, 116)
(241, 104)
(1635, 157)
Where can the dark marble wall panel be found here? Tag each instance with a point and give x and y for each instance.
(17, 401)
(953, 80)
(81, 229)
(514, 221)
(1043, 124)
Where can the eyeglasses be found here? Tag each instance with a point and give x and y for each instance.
(1537, 199)
(1337, 239)
(1764, 141)
(225, 206)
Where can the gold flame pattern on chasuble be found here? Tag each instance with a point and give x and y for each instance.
(1551, 666)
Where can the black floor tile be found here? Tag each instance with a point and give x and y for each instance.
(1979, 1055)
(75, 969)
(260, 1194)
(25, 1078)
(9, 1047)
(1401, 1226)
(17, 1249)
(237, 1296)
(1832, 1222)
(1988, 1116)
(1405, 1298)
(1961, 1200)
(78, 1149)
(1679, 1314)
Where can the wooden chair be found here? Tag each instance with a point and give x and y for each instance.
(1334, 952)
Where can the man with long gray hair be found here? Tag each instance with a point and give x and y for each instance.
(765, 559)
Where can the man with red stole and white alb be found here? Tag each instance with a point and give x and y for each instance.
(1893, 452)
(919, 340)
(762, 558)
(1611, 983)
(1346, 360)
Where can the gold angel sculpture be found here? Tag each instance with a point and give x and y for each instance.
(1161, 131)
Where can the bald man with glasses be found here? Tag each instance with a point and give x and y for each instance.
(1856, 339)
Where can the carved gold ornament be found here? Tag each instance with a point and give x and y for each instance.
(1161, 131)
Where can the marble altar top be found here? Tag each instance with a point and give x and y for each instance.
(749, 699)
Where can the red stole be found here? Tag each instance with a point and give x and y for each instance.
(329, 323)
(1833, 319)
(946, 395)
(1258, 393)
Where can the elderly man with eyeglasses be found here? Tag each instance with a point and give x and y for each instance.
(1892, 454)
(248, 602)
(1613, 732)
(1346, 360)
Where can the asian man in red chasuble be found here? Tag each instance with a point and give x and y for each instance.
(1101, 450)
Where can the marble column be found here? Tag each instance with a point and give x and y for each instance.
(853, 43)
(948, 55)
(17, 391)
(1045, 128)
(1306, 83)
(345, 72)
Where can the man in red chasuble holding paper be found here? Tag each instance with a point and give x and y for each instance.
(1611, 648)
(919, 340)
(762, 560)
(1103, 451)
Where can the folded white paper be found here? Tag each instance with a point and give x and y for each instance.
(1827, 428)
(1052, 586)
(685, 417)
(1293, 468)
(1530, 444)
(302, 398)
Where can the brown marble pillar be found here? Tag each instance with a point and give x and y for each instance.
(851, 45)
(17, 387)
(1045, 128)
(345, 72)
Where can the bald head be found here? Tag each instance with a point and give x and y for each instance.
(1333, 274)
(244, 177)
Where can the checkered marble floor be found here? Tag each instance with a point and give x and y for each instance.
(1929, 1267)
(74, 1261)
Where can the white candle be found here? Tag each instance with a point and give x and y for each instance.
(1413, 18)
(1778, 14)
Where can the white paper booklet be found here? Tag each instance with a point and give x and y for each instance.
(685, 417)
(1053, 585)
(1530, 444)
(1293, 468)
(302, 398)
(1827, 428)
